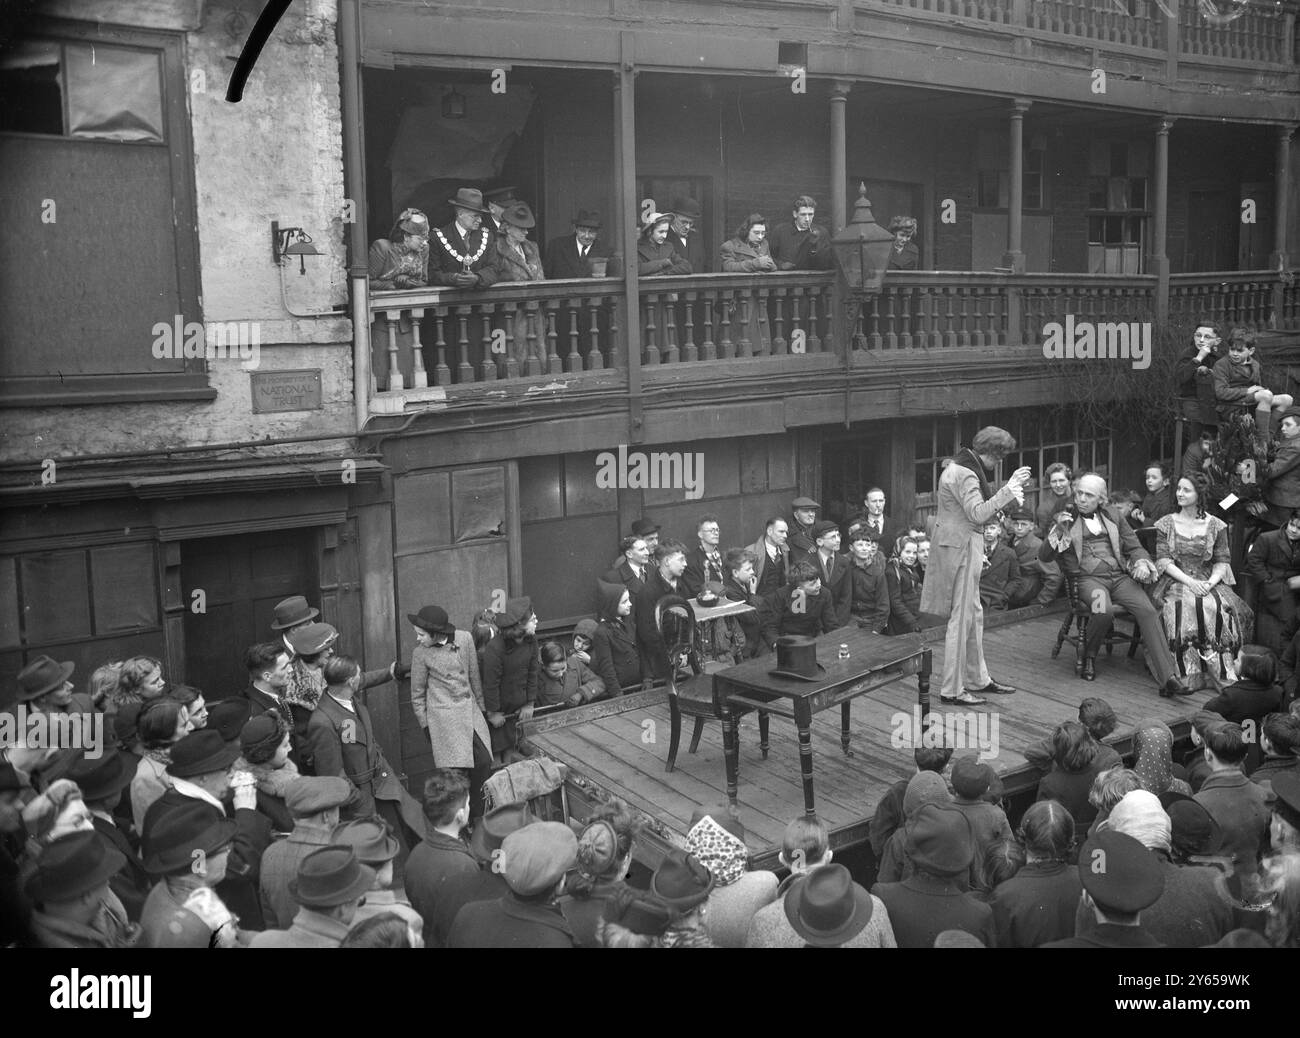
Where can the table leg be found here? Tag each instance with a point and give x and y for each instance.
(844, 727)
(731, 753)
(803, 721)
(762, 732)
(923, 682)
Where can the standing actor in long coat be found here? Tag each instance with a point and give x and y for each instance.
(966, 501)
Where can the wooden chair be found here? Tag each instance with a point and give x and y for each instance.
(1079, 615)
(691, 696)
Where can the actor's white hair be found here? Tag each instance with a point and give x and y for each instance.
(1092, 483)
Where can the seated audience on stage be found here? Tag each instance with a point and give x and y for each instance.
(1239, 383)
(1193, 366)
(1128, 504)
(1281, 477)
(665, 578)
(869, 582)
(1001, 571)
(739, 586)
(903, 580)
(1039, 582)
(1274, 565)
(565, 680)
(614, 654)
(633, 565)
(704, 561)
(1054, 498)
(1159, 498)
(803, 606)
(1198, 453)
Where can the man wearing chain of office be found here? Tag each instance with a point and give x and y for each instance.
(461, 254)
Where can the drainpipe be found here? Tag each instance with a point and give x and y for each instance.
(354, 181)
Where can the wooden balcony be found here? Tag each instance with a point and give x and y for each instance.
(437, 347)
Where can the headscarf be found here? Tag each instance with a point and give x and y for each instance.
(722, 854)
(1154, 743)
(1140, 816)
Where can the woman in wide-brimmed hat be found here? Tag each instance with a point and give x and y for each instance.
(187, 849)
(515, 258)
(683, 884)
(312, 645)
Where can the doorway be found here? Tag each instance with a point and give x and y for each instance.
(851, 465)
(1212, 234)
(241, 578)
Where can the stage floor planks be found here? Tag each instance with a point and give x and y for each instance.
(624, 752)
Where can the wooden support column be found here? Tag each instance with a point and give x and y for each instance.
(1158, 259)
(839, 155)
(626, 204)
(1172, 43)
(1278, 259)
(1015, 256)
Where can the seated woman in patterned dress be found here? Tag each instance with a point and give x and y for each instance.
(1205, 621)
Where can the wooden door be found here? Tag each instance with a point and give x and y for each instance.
(1255, 241)
(241, 579)
(1211, 231)
(851, 465)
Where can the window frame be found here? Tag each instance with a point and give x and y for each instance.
(190, 383)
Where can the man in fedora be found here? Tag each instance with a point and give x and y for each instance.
(200, 774)
(682, 234)
(44, 686)
(442, 855)
(461, 254)
(498, 200)
(342, 739)
(374, 845)
(74, 906)
(188, 849)
(329, 887)
(1120, 878)
(447, 698)
(533, 861)
(314, 802)
(829, 910)
(571, 255)
(101, 782)
(292, 613)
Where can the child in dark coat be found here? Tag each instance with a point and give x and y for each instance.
(614, 655)
(1239, 382)
(510, 670)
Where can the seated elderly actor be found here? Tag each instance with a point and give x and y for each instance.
(402, 259)
(1092, 542)
(573, 255)
(747, 252)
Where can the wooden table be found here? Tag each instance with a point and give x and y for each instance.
(874, 661)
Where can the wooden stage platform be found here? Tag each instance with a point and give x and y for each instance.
(619, 747)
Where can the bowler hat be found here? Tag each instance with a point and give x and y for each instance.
(309, 640)
(491, 830)
(517, 214)
(434, 620)
(939, 840)
(687, 207)
(644, 528)
(1119, 873)
(292, 612)
(202, 753)
(72, 865)
(469, 198)
(822, 527)
(533, 859)
(369, 837)
(500, 195)
(827, 908)
(1192, 829)
(330, 877)
(804, 502)
(796, 657)
(516, 612)
(99, 779)
(42, 675)
(681, 882)
(312, 794)
(228, 716)
(171, 839)
(588, 218)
